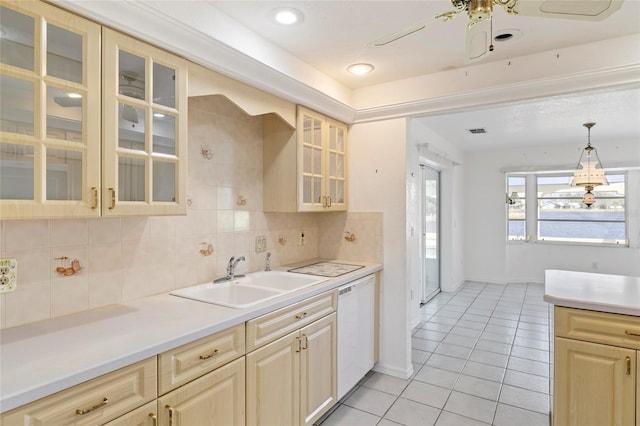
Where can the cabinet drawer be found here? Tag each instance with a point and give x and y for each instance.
(599, 327)
(268, 328)
(94, 402)
(185, 363)
(147, 415)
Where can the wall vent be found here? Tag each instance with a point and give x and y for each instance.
(477, 131)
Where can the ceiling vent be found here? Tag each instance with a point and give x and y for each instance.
(477, 131)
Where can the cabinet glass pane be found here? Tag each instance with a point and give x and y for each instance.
(64, 175)
(317, 161)
(64, 54)
(306, 189)
(16, 105)
(64, 114)
(16, 42)
(164, 133)
(317, 191)
(337, 191)
(131, 179)
(317, 132)
(306, 159)
(306, 125)
(16, 172)
(164, 85)
(131, 75)
(131, 130)
(164, 181)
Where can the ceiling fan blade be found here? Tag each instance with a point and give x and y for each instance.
(478, 41)
(587, 10)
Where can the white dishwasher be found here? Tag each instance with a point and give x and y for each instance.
(356, 316)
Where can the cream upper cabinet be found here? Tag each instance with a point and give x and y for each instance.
(305, 169)
(49, 112)
(144, 92)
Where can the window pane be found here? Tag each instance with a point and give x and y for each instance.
(562, 215)
(16, 105)
(131, 179)
(131, 81)
(164, 85)
(164, 133)
(64, 54)
(164, 181)
(131, 127)
(64, 175)
(516, 207)
(64, 114)
(16, 43)
(517, 229)
(16, 172)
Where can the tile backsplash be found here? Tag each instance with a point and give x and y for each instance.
(132, 257)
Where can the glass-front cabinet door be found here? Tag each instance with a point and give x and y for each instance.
(144, 128)
(322, 161)
(49, 112)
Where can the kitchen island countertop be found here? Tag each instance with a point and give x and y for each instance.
(615, 294)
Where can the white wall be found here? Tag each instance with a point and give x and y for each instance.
(489, 257)
(377, 183)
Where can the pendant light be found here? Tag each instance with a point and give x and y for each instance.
(589, 172)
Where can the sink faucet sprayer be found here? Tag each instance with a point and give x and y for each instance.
(268, 262)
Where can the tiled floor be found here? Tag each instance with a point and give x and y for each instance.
(480, 356)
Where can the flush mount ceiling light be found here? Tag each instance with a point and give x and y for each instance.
(360, 69)
(589, 172)
(287, 16)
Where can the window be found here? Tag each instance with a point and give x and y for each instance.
(516, 208)
(562, 216)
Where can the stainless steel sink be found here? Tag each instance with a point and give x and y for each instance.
(249, 290)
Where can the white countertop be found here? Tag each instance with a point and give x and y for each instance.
(616, 294)
(39, 359)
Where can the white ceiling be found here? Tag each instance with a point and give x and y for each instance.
(335, 34)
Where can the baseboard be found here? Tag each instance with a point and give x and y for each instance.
(390, 370)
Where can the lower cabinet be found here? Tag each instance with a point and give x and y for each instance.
(147, 415)
(217, 398)
(594, 385)
(292, 381)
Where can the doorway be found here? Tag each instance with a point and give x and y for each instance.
(430, 245)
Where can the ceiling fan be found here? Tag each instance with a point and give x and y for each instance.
(480, 14)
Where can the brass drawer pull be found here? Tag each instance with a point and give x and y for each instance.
(306, 342)
(94, 193)
(631, 333)
(81, 412)
(170, 408)
(154, 419)
(302, 315)
(113, 198)
(628, 366)
(207, 356)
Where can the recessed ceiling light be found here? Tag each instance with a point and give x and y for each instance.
(287, 15)
(360, 69)
(74, 95)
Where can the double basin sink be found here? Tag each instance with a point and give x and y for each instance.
(249, 290)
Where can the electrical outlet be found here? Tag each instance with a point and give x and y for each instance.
(261, 243)
(301, 238)
(8, 275)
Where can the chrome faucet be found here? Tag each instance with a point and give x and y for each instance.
(231, 267)
(267, 266)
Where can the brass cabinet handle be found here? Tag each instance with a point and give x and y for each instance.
(306, 341)
(299, 344)
(302, 315)
(94, 193)
(81, 412)
(628, 365)
(113, 198)
(170, 408)
(207, 356)
(154, 419)
(329, 201)
(631, 333)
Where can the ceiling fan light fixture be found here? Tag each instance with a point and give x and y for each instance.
(360, 68)
(287, 16)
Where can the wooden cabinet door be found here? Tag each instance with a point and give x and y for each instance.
(311, 161)
(273, 387)
(336, 170)
(594, 384)
(318, 388)
(217, 398)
